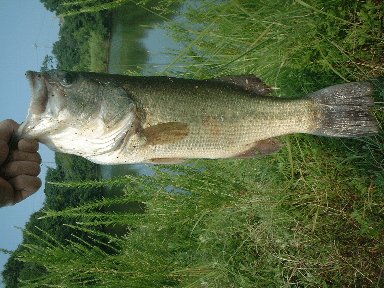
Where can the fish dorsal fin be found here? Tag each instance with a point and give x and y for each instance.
(165, 133)
(261, 147)
(249, 83)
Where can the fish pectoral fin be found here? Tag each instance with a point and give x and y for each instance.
(249, 83)
(166, 161)
(165, 133)
(261, 148)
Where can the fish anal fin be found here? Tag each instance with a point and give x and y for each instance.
(166, 161)
(165, 133)
(260, 148)
(249, 83)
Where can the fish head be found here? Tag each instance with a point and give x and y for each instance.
(85, 109)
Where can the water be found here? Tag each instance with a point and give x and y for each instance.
(139, 42)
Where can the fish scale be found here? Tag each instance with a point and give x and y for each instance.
(114, 119)
(237, 136)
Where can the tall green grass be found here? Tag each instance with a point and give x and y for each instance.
(276, 38)
(311, 215)
(308, 216)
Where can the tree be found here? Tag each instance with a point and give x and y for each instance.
(12, 270)
(48, 63)
(51, 5)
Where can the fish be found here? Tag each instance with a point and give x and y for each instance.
(117, 119)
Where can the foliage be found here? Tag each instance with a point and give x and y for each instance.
(48, 63)
(51, 5)
(304, 216)
(85, 29)
(271, 39)
(78, 35)
(68, 167)
(310, 215)
(98, 53)
(162, 8)
(72, 7)
(12, 270)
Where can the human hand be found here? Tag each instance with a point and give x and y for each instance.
(19, 168)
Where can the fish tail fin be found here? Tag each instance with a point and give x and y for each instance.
(344, 110)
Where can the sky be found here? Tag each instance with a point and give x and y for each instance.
(27, 33)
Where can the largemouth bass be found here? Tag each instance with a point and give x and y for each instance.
(114, 119)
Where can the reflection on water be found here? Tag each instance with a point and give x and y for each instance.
(109, 171)
(139, 42)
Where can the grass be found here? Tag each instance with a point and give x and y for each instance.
(311, 215)
(272, 39)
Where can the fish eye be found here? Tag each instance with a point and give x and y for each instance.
(67, 79)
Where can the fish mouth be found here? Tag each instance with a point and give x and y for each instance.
(38, 102)
(39, 92)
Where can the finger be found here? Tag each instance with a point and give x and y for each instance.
(16, 168)
(18, 155)
(28, 145)
(6, 193)
(4, 150)
(7, 129)
(24, 186)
